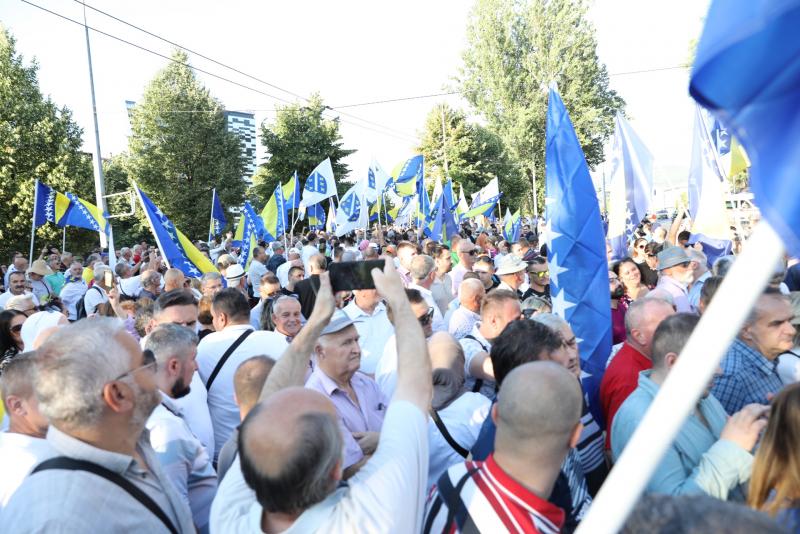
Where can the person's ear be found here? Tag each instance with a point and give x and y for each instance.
(118, 396)
(494, 413)
(16, 406)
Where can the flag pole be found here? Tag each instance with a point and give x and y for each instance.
(33, 219)
(211, 222)
(64, 240)
(685, 383)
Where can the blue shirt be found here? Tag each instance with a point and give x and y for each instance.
(698, 461)
(747, 377)
(694, 291)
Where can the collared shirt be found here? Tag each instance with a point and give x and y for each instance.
(462, 321)
(438, 324)
(254, 274)
(373, 331)
(255, 315)
(698, 461)
(507, 287)
(364, 416)
(70, 295)
(56, 281)
(185, 461)
(386, 495)
(694, 291)
(492, 500)
(747, 377)
(678, 292)
(442, 289)
(619, 381)
(66, 501)
(474, 343)
(19, 454)
(42, 289)
(224, 412)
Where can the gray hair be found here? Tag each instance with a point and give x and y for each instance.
(349, 255)
(636, 311)
(17, 376)
(550, 320)
(74, 365)
(282, 298)
(421, 267)
(207, 277)
(171, 341)
(151, 278)
(100, 271)
(122, 269)
(698, 255)
(722, 265)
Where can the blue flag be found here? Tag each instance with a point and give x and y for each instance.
(218, 220)
(406, 176)
(443, 226)
(512, 227)
(260, 231)
(449, 194)
(66, 210)
(747, 74)
(631, 186)
(577, 251)
(316, 217)
(291, 193)
(179, 252)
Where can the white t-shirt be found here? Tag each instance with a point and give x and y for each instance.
(130, 287)
(386, 495)
(306, 253)
(463, 419)
(789, 368)
(224, 412)
(71, 293)
(19, 454)
(373, 331)
(95, 296)
(282, 272)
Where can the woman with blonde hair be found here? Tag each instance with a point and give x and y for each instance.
(775, 482)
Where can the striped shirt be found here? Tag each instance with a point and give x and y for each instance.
(591, 450)
(481, 497)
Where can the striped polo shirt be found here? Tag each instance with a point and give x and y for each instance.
(481, 497)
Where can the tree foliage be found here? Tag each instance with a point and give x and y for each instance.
(180, 148)
(37, 140)
(516, 48)
(298, 140)
(474, 154)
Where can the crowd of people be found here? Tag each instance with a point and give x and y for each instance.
(449, 398)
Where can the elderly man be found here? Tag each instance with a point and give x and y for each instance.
(221, 352)
(538, 423)
(405, 253)
(173, 279)
(467, 315)
(372, 324)
(749, 370)
(236, 278)
(676, 274)
(511, 272)
(277, 258)
(466, 259)
(97, 388)
(442, 287)
(712, 452)
(293, 260)
(498, 308)
(73, 289)
(269, 288)
(19, 264)
(423, 272)
(358, 399)
(622, 374)
(700, 274)
(98, 293)
(57, 279)
(151, 285)
(16, 287)
(129, 286)
(211, 284)
(292, 441)
(22, 446)
(286, 316)
(184, 459)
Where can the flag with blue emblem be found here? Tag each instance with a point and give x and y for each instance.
(247, 233)
(576, 244)
(218, 220)
(274, 215)
(760, 104)
(484, 201)
(407, 175)
(423, 203)
(319, 185)
(512, 227)
(316, 217)
(353, 212)
(631, 186)
(179, 252)
(66, 210)
(706, 193)
(292, 193)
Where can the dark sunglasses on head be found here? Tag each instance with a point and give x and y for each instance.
(426, 319)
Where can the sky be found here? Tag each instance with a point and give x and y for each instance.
(351, 52)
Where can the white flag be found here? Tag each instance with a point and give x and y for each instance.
(319, 185)
(353, 212)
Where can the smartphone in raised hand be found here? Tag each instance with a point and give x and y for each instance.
(349, 275)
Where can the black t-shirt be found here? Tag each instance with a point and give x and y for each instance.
(533, 292)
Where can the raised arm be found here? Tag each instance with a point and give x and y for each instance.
(290, 370)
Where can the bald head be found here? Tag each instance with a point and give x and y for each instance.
(471, 294)
(248, 381)
(291, 449)
(445, 352)
(538, 409)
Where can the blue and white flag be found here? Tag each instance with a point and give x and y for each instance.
(747, 74)
(250, 230)
(484, 201)
(352, 213)
(450, 196)
(218, 220)
(319, 185)
(576, 245)
(706, 193)
(631, 185)
(443, 225)
(512, 227)
(406, 176)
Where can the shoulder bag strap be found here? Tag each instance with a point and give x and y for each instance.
(225, 357)
(476, 387)
(446, 434)
(71, 464)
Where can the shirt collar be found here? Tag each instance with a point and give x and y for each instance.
(353, 311)
(75, 448)
(170, 404)
(327, 382)
(422, 290)
(756, 358)
(470, 313)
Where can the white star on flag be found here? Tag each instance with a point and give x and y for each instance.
(561, 304)
(555, 270)
(551, 234)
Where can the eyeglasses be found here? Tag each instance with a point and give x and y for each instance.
(149, 360)
(540, 274)
(426, 319)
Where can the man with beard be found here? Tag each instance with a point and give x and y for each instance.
(712, 453)
(97, 388)
(185, 460)
(676, 273)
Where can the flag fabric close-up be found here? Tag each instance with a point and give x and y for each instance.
(218, 220)
(66, 210)
(407, 174)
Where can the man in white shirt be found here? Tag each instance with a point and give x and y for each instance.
(73, 289)
(211, 284)
(183, 458)
(16, 286)
(372, 324)
(257, 268)
(466, 252)
(310, 249)
(292, 260)
(129, 286)
(231, 314)
(19, 264)
(512, 274)
(442, 287)
(293, 433)
(467, 315)
(23, 445)
(423, 272)
(96, 295)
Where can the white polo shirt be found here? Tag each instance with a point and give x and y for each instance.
(223, 409)
(438, 320)
(373, 331)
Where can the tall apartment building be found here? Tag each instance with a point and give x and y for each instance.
(244, 126)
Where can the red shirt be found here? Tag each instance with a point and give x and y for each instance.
(619, 381)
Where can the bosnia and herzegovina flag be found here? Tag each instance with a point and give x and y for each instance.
(291, 193)
(274, 215)
(178, 250)
(66, 210)
(512, 227)
(406, 176)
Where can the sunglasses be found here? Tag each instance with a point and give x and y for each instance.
(149, 360)
(540, 274)
(426, 319)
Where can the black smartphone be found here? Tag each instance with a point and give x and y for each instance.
(349, 275)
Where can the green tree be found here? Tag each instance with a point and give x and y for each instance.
(474, 155)
(516, 48)
(180, 148)
(37, 140)
(298, 139)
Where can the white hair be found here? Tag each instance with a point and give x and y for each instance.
(171, 341)
(73, 365)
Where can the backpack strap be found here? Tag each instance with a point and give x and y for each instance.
(72, 464)
(446, 434)
(225, 357)
(476, 387)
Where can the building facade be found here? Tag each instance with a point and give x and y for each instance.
(244, 126)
